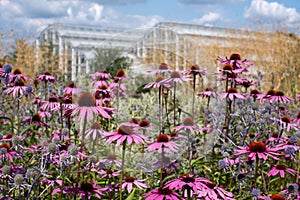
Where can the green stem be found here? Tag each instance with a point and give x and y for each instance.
(118, 101)
(194, 88)
(159, 108)
(83, 130)
(174, 102)
(18, 115)
(122, 168)
(45, 91)
(61, 120)
(256, 171)
(161, 166)
(226, 86)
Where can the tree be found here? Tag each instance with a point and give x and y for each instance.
(110, 59)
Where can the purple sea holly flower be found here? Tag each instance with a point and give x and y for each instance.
(6, 70)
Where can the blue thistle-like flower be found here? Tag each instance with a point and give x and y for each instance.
(255, 192)
(222, 164)
(7, 68)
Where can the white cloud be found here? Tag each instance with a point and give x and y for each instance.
(96, 11)
(88, 13)
(271, 11)
(210, 1)
(145, 21)
(208, 18)
(34, 16)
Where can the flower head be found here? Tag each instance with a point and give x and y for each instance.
(120, 74)
(130, 181)
(214, 192)
(231, 94)
(194, 184)
(46, 77)
(144, 125)
(16, 75)
(111, 160)
(18, 90)
(189, 126)
(7, 68)
(163, 144)
(100, 75)
(125, 134)
(95, 131)
(274, 96)
(236, 61)
(72, 89)
(52, 103)
(207, 93)
(260, 150)
(285, 121)
(163, 193)
(281, 169)
(176, 77)
(194, 70)
(277, 197)
(296, 119)
(157, 83)
(279, 97)
(162, 68)
(87, 108)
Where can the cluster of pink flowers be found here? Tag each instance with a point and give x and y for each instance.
(248, 143)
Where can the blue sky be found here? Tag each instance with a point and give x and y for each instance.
(28, 17)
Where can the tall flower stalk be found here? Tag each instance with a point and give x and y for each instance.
(194, 70)
(122, 168)
(175, 77)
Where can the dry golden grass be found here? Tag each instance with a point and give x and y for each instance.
(274, 54)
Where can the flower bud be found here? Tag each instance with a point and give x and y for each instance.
(18, 180)
(52, 148)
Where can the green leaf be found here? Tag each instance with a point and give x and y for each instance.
(130, 197)
(28, 128)
(9, 119)
(274, 179)
(195, 160)
(168, 178)
(207, 168)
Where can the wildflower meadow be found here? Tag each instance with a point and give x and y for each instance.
(180, 138)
